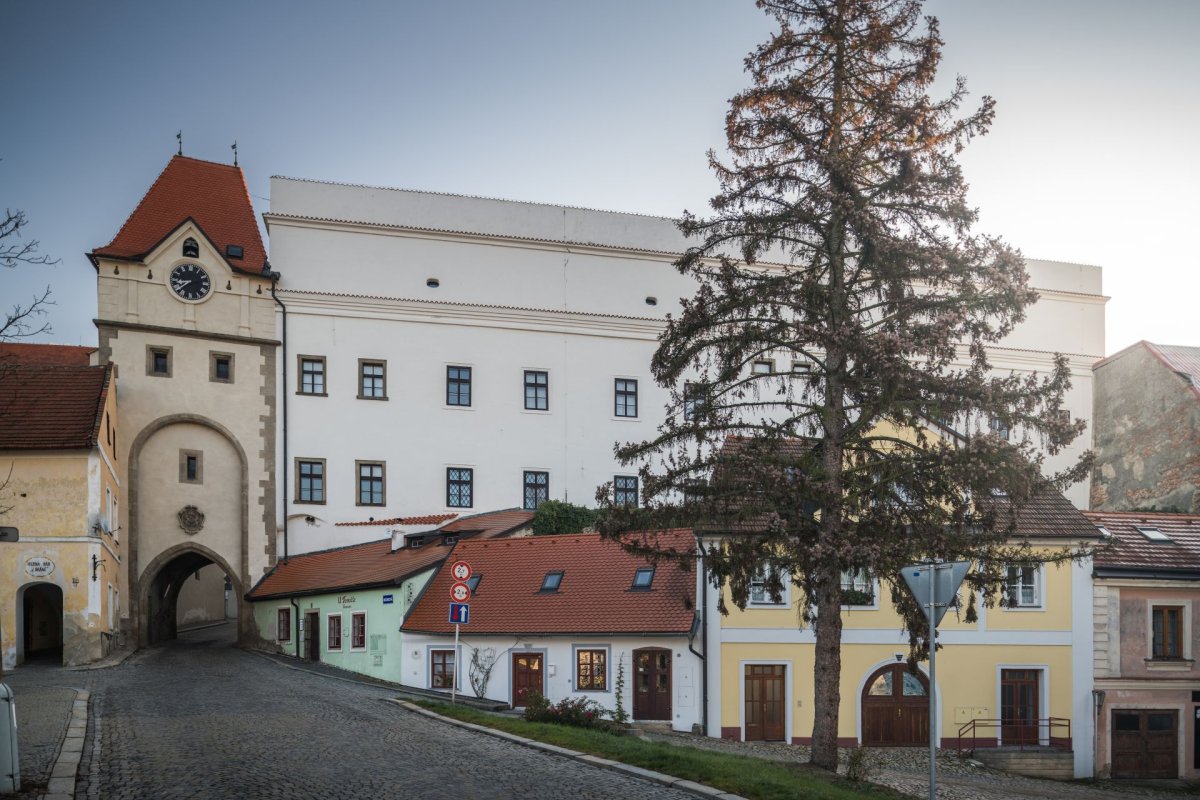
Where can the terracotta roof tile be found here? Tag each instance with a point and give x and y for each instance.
(51, 407)
(594, 596)
(360, 566)
(61, 355)
(1129, 549)
(427, 519)
(213, 195)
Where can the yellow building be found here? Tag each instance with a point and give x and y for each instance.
(1021, 672)
(61, 578)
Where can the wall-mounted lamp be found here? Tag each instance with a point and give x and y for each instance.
(96, 564)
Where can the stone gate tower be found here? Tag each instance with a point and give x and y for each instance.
(185, 312)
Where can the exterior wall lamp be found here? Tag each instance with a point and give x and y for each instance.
(96, 564)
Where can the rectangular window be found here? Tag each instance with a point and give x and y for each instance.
(191, 466)
(312, 375)
(458, 386)
(760, 593)
(537, 489)
(625, 490)
(626, 399)
(591, 670)
(370, 483)
(310, 480)
(283, 623)
(441, 669)
(537, 390)
(999, 427)
(334, 637)
(693, 397)
(801, 367)
(460, 487)
(1023, 587)
(858, 587)
(1167, 623)
(372, 380)
(643, 579)
(358, 630)
(158, 362)
(763, 367)
(220, 367)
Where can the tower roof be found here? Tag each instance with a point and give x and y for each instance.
(212, 195)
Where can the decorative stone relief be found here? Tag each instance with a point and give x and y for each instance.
(191, 519)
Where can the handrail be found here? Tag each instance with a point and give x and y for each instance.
(1020, 738)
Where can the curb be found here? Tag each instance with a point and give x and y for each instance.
(62, 776)
(107, 663)
(698, 789)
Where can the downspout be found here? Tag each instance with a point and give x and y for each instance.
(275, 276)
(703, 636)
(296, 614)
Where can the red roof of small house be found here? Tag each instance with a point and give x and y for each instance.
(1175, 549)
(212, 195)
(360, 566)
(594, 596)
(52, 407)
(59, 355)
(426, 519)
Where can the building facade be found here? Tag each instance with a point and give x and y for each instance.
(61, 557)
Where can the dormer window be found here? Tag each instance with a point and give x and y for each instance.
(643, 578)
(191, 248)
(473, 582)
(1153, 534)
(233, 251)
(551, 582)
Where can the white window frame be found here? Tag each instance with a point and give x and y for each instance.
(429, 650)
(785, 598)
(1039, 588)
(341, 634)
(366, 637)
(873, 588)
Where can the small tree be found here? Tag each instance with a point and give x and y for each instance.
(556, 516)
(841, 240)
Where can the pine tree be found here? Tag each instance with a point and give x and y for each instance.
(842, 240)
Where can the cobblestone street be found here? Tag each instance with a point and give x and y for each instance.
(200, 719)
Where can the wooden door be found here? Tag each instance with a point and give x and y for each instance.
(1145, 744)
(1019, 706)
(764, 703)
(895, 708)
(526, 675)
(652, 684)
(312, 636)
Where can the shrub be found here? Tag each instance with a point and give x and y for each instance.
(578, 712)
(555, 516)
(860, 764)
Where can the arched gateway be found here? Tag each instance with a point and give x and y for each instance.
(895, 708)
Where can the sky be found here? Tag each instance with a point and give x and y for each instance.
(607, 105)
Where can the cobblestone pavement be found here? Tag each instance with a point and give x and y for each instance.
(42, 715)
(200, 719)
(906, 769)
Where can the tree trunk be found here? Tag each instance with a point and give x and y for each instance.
(827, 694)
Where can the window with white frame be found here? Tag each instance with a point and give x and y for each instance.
(441, 669)
(760, 592)
(1023, 586)
(858, 587)
(334, 637)
(358, 630)
(283, 624)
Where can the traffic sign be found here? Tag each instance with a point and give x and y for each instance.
(460, 613)
(460, 592)
(460, 571)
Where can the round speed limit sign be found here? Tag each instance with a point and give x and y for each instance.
(460, 593)
(460, 571)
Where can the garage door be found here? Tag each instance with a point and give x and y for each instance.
(1145, 744)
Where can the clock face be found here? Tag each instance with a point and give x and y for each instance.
(190, 281)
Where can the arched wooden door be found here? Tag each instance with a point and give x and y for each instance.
(895, 708)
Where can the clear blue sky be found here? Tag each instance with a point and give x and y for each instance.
(609, 105)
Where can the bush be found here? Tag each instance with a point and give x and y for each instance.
(860, 764)
(555, 516)
(578, 712)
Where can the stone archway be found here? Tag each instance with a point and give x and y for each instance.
(158, 591)
(161, 572)
(39, 622)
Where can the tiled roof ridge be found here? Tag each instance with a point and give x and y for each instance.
(540, 204)
(145, 196)
(339, 548)
(1144, 514)
(577, 537)
(411, 519)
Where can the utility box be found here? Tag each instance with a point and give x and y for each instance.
(10, 764)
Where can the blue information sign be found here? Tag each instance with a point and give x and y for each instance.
(387, 600)
(460, 613)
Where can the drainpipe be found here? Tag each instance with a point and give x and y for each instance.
(296, 614)
(703, 635)
(275, 276)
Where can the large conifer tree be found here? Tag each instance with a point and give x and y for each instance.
(841, 240)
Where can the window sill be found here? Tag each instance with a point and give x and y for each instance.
(541, 412)
(1170, 664)
(458, 408)
(364, 397)
(1024, 608)
(768, 606)
(308, 502)
(626, 419)
(313, 394)
(871, 607)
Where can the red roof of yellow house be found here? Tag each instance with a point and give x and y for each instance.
(50, 355)
(596, 593)
(52, 407)
(213, 195)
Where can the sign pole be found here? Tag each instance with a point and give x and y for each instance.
(932, 685)
(457, 666)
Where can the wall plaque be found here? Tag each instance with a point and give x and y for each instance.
(191, 519)
(39, 567)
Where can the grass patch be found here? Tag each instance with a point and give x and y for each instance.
(750, 777)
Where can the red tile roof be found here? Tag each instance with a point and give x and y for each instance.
(427, 519)
(213, 195)
(594, 596)
(52, 407)
(1129, 549)
(360, 566)
(61, 355)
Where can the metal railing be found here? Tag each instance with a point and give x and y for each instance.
(1038, 733)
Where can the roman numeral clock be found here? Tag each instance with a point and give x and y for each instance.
(190, 281)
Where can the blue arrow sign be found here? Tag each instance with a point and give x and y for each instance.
(460, 613)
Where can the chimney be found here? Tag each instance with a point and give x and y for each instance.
(397, 539)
